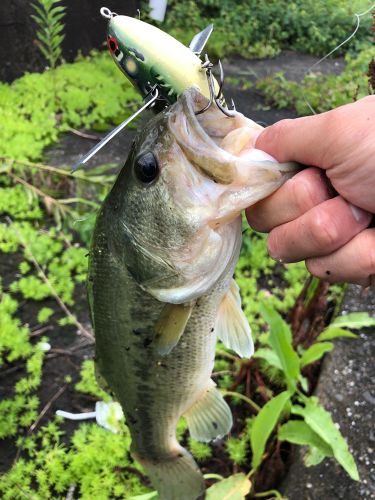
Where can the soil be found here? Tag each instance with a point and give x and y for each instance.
(346, 376)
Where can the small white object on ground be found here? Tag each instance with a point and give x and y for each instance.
(107, 414)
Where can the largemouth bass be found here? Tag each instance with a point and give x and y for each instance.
(161, 289)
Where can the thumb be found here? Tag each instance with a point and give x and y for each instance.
(303, 140)
(322, 140)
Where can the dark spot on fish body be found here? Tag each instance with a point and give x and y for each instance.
(131, 419)
(214, 424)
(212, 329)
(147, 342)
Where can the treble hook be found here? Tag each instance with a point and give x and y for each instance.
(215, 97)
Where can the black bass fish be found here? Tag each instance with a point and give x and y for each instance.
(161, 288)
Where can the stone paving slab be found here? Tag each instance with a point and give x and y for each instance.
(346, 388)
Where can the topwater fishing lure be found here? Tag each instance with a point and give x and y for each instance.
(159, 66)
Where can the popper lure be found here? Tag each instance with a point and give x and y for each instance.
(159, 66)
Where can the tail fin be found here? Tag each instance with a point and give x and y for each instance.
(176, 478)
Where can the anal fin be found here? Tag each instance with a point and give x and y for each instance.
(170, 326)
(232, 327)
(210, 417)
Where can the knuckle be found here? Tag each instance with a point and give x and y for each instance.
(324, 232)
(305, 192)
(368, 249)
(256, 221)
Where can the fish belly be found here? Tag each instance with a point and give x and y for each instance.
(153, 390)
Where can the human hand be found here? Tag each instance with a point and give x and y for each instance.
(306, 219)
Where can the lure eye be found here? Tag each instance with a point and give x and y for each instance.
(112, 44)
(146, 167)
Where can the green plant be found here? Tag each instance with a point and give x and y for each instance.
(316, 429)
(49, 18)
(27, 125)
(320, 92)
(262, 29)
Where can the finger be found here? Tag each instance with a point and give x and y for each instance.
(352, 263)
(322, 140)
(318, 232)
(298, 195)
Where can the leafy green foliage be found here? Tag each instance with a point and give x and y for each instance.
(237, 449)
(261, 29)
(200, 451)
(27, 125)
(15, 345)
(299, 432)
(89, 384)
(264, 424)
(235, 487)
(320, 92)
(321, 423)
(51, 466)
(333, 332)
(280, 339)
(257, 272)
(315, 352)
(354, 321)
(48, 16)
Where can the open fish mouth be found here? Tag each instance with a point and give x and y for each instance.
(214, 143)
(222, 148)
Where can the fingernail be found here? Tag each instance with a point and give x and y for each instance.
(358, 213)
(273, 255)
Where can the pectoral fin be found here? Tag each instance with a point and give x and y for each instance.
(232, 327)
(170, 326)
(210, 417)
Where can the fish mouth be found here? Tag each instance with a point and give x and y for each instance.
(206, 138)
(196, 141)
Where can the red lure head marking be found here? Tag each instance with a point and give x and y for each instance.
(112, 44)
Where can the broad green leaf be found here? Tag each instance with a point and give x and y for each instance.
(321, 422)
(304, 383)
(333, 332)
(270, 356)
(354, 320)
(280, 340)
(311, 290)
(263, 425)
(234, 487)
(313, 457)
(315, 352)
(299, 432)
(153, 495)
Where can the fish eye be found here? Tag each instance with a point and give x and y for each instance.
(146, 167)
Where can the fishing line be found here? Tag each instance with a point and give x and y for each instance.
(358, 24)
